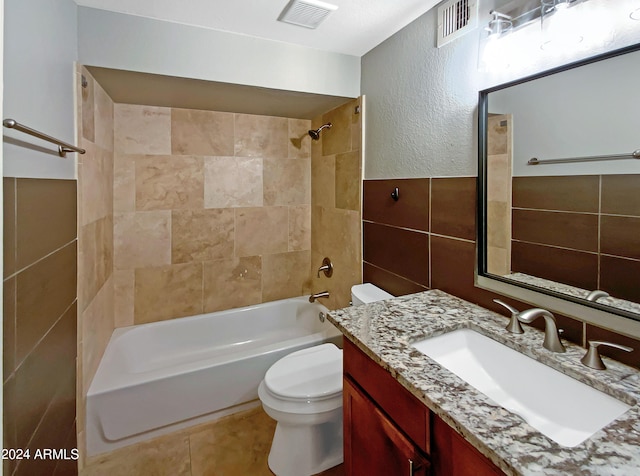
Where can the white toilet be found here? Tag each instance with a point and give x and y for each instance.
(303, 393)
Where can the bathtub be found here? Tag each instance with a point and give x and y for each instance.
(157, 378)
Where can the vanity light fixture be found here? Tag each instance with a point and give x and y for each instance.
(635, 14)
(495, 53)
(560, 28)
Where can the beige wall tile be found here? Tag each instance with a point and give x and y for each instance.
(348, 180)
(167, 292)
(497, 134)
(232, 182)
(104, 125)
(236, 445)
(232, 283)
(287, 182)
(142, 239)
(299, 139)
(285, 275)
(169, 182)
(123, 288)
(95, 258)
(95, 179)
(86, 94)
(165, 456)
(338, 139)
(261, 230)
(142, 129)
(300, 228)
(202, 235)
(195, 132)
(323, 181)
(337, 233)
(499, 178)
(124, 183)
(261, 136)
(97, 327)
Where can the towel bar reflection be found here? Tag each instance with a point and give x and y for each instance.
(63, 147)
(633, 155)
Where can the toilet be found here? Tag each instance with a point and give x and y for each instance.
(303, 393)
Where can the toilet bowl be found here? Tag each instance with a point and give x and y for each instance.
(303, 393)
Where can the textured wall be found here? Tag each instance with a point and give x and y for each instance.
(422, 100)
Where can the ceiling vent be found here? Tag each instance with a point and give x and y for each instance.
(456, 18)
(307, 13)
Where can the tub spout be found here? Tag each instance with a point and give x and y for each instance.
(322, 294)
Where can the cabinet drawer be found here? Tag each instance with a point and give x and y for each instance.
(402, 407)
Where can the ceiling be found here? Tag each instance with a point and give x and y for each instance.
(356, 27)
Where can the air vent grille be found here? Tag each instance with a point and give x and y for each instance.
(455, 18)
(307, 13)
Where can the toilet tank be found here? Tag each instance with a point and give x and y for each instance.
(366, 293)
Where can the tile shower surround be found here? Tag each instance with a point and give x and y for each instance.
(427, 240)
(212, 210)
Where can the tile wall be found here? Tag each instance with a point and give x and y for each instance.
(212, 210)
(427, 240)
(95, 235)
(39, 323)
(336, 177)
(579, 230)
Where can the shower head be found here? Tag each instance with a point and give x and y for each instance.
(315, 134)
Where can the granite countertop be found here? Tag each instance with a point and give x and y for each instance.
(385, 331)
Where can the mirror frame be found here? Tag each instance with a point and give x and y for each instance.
(592, 312)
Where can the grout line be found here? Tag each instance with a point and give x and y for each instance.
(556, 247)
(30, 265)
(599, 230)
(395, 274)
(429, 226)
(45, 334)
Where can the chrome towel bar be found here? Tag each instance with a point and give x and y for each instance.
(63, 147)
(633, 155)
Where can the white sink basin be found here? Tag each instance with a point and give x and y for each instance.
(562, 408)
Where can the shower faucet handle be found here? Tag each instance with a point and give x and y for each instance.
(326, 268)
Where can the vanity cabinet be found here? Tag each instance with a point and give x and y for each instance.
(388, 431)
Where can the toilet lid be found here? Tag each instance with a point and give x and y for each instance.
(315, 372)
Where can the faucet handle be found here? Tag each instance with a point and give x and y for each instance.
(326, 268)
(514, 325)
(592, 357)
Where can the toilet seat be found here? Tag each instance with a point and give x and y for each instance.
(310, 374)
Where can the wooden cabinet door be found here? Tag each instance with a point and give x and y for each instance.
(452, 455)
(373, 444)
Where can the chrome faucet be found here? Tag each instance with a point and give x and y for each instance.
(326, 268)
(514, 325)
(551, 336)
(322, 294)
(597, 294)
(592, 357)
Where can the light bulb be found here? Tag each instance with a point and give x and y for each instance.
(560, 28)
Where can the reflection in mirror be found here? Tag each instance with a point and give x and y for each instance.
(568, 227)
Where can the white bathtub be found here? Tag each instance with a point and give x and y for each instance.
(156, 378)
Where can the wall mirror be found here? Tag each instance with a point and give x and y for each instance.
(559, 188)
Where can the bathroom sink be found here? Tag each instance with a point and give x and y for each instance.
(560, 407)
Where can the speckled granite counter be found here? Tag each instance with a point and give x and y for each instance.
(385, 331)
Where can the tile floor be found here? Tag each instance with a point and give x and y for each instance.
(237, 445)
